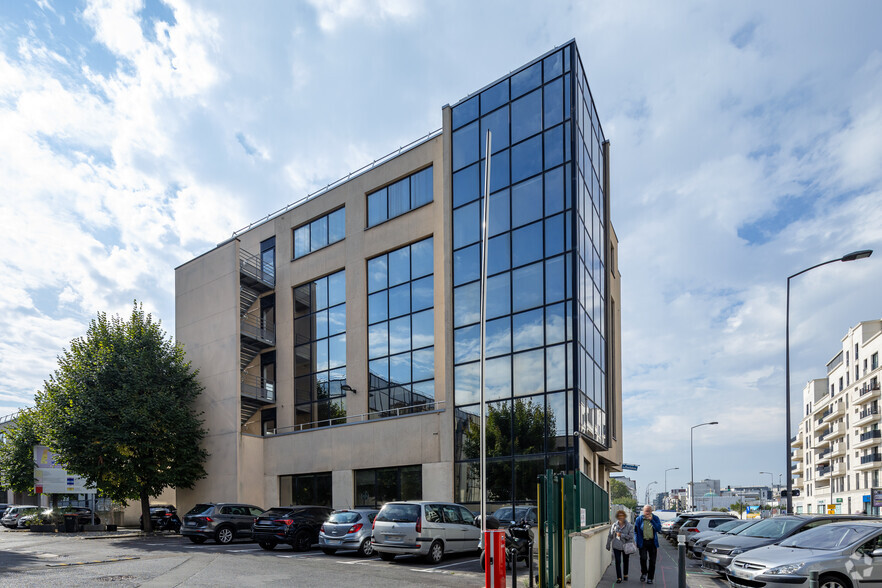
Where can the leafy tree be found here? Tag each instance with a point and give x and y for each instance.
(17, 453)
(118, 410)
(620, 494)
(739, 507)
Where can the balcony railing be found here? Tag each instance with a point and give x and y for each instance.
(825, 435)
(873, 457)
(824, 471)
(824, 415)
(871, 435)
(825, 453)
(252, 266)
(258, 388)
(868, 412)
(363, 418)
(257, 328)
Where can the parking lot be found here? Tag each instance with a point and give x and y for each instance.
(37, 559)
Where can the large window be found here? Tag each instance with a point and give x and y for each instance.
(400, 197)
(320, 233)
(401, 332)
(320, 351)
(373, 488)
(305, 490)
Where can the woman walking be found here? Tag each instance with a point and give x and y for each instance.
(621, 541)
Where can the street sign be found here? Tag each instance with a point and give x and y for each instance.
(831, 509)
(629, 466)
(876, 497)
(50, 477)
(838, 500)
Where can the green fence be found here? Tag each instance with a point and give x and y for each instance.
(567, 503)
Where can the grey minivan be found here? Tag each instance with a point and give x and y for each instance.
(425, 528)
(844, 554)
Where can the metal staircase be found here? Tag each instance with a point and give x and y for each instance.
(255, 278)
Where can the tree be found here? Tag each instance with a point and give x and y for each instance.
(739, 507)
(17, 453)
(118, 410)
(620, 494)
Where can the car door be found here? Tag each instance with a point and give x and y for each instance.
(434, 527)
(471, 534)
(863, 568)
(454, 527)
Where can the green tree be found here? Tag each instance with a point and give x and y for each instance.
(17, 453)
(119, 410)
(620, 494)
(739, 507)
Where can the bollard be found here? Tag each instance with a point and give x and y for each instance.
(813, 578)
(514, 566)
(681, 547)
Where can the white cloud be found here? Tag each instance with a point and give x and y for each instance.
(334, 13)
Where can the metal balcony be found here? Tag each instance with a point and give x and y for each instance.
(869, 462)
(254, 273)
(868, 393)
(868, 439)
(867, 415)
(256, 393)
(797, 440)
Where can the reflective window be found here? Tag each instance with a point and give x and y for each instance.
(526, 116)
(402, 196)
(526, 159)
(314, 489)
(401, 333)
(526, 80)
(465, 112)
(320, 351)
(376, 487)
(319, 233)
(494, 97)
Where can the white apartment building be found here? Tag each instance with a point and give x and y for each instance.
(836, 450)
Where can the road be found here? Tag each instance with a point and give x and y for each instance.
(39, 560)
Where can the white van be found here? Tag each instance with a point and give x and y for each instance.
(425, 528)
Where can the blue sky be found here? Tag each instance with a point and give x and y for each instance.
(746, 144)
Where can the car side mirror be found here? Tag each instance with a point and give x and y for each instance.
(876, 553)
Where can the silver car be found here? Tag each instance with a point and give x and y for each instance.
(846, 554)
(425, 528)
(706, 537)
(13, 513)
(348, 529)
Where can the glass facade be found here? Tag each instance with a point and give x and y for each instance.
(321, 232)
(375, 487)
(545, 289)
(305, 489)
(401, 330)
(320, 351)
(403, 196)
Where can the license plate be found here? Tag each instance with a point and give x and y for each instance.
(394, 538)
(740, 574)
(712, 559)
(334, 542)
(191, 524)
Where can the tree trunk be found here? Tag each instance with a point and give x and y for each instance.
(145, 511)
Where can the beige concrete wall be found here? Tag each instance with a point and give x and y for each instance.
(343, 489)
(251, 472)
(207, 324)
(590, 557)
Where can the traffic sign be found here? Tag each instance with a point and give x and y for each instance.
(629, 466)
(831, 509)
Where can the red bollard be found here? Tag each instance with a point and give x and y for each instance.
(494, 559)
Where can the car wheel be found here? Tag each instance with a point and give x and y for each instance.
(387, 556)
(197, 540)
(224, 535)
(302, 541)
(832, 581)
(366, 549)
(436, 553)
(268, 545)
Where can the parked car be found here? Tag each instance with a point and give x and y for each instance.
(84, 515)
(506, 515)
(718, 554)
(4, 507)
(163, 518)
(297, 526)
(674, 529)
(702, 539)
(694, 527)
(222, 522)
(348, 529)
(55, 516)
(845, 554)
(15, 512)
(429, 529)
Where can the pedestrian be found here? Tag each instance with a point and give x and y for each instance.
(646, 531)
(621, 541)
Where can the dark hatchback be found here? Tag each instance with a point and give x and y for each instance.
(297, 526)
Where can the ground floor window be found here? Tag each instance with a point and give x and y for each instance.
(375, 487)
(305, 489)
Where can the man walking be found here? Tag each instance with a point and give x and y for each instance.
(646, 531)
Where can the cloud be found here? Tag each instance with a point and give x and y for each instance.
(333, 14)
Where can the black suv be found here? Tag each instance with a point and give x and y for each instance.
(298, 526)
(222, 522)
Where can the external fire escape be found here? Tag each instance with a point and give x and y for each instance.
(255, 278)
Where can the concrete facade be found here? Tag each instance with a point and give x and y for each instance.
(836, 450)
(251, 454)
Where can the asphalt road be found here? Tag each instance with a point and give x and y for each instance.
(37, 559)
(666, 572)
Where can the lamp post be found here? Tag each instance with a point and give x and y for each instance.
(666, 479)
(648, 486)
(692, 463)
(853, 256)
(771, 482)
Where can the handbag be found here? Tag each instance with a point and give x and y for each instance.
(630, 548)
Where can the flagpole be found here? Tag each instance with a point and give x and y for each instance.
(485, 226)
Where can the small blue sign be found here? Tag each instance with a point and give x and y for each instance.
(629, 466)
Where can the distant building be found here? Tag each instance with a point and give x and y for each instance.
(836, 450)
(703, 488)
(631, 484)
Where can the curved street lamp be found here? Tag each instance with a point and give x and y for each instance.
(692, 463)
(853, 256)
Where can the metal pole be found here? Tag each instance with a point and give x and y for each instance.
(813, 578)
(681, 564)
(485, 231)
(691, 471)
(789, 468)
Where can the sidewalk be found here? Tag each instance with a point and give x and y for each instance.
(666, 573)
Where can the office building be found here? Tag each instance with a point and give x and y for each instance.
(836, 450)
(338, 339)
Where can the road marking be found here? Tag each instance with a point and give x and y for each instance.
(88, 563)
(242, 550)
(365, 562)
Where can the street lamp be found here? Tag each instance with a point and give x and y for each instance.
(648, 486)
(666, 479)
(771, 483)
(692, 463)
(853, 256)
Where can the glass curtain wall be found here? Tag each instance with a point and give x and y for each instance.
(532, 376)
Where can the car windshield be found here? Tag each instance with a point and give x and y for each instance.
(344, 518)
(728, 526)
(200, 509)
(399, 513)
(773, 528)
(742, 527)
(829, 537)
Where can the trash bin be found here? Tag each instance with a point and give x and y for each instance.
(70, 523)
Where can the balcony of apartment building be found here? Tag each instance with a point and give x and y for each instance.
(869, 462)
(797, 440)
(824, 456)
(868, 439)
(870, 391)
(830, 413)
(822, 475)
(821, 406)
(797, 455)
(799, 482)
(837, 450)
(797, 468)
(837, 470)
(836, 431)
(823, 441)
(867, 416)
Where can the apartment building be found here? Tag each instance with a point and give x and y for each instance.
(338, 339)
(836, 450)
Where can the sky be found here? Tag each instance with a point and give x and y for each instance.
(746, 144)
